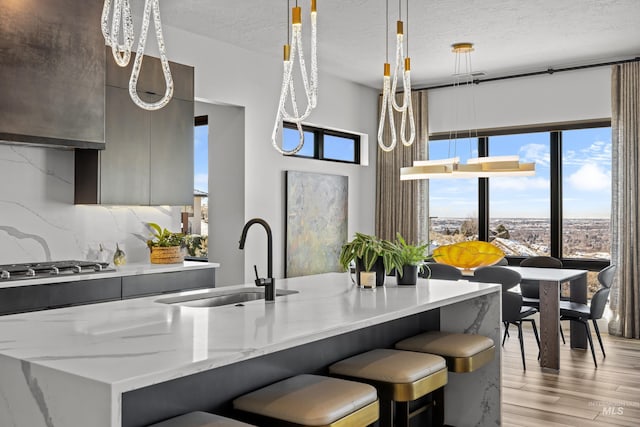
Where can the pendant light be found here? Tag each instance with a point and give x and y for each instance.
(389, 87)
(310, 85)
(120, 18)
(479, 167)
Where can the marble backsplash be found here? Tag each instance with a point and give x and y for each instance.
(39, 222)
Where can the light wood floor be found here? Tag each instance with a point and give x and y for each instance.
(580, 395)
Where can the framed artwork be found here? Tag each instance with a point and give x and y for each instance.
(316, 225)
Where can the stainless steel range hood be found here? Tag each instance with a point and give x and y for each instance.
(52, 74)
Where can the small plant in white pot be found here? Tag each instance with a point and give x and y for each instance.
(373, 257)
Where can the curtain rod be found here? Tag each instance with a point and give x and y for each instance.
(538, 73)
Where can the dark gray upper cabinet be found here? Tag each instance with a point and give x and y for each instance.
(52, 73)
(148, 158)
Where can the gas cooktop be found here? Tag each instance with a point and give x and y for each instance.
(50, 268)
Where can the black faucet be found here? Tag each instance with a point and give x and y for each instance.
(269, 281)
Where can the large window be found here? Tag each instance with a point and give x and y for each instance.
(563, 211)
(322, 144)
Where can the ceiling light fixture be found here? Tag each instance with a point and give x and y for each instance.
(121, 19)
(479, 167)
(389, 104)
(310, 85)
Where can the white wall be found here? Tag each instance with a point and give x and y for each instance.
(226, 184)
(550, 98)
(228, 75)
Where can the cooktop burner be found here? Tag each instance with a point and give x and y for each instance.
(50, 268)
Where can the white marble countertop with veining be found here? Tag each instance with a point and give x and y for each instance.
(125, 270)
(138, 342)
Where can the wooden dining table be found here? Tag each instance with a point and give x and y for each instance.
(549, 280)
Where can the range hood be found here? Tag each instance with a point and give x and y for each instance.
(53, 74)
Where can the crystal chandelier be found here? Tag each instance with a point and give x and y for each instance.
(479, 167)
(389, 88)
(310, 85)
(121, 17)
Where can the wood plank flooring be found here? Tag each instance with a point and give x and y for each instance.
(580, 395)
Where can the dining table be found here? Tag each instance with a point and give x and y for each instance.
(550, 280)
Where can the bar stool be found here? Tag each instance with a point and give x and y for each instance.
(311, 400)
(400, 378)
(200, 419)
(463, 352)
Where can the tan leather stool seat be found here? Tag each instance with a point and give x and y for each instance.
(463, 352)
(401, 376)
(200, 419)
(313, 400)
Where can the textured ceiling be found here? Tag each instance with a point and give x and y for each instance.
(510, 36)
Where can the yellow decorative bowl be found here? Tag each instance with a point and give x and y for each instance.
(468, 255)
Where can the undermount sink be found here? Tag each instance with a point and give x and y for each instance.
(218, 298)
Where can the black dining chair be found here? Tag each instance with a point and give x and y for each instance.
(513, 312)
(582, 313)
(434, 270)
(530, 289)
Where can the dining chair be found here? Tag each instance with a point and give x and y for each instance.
(581, 313)
(434, 270)
(513, 312)
(530, 289)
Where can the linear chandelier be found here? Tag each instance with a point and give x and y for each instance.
(120, 19)
(389, 87)
(310, 84)
(479, 167)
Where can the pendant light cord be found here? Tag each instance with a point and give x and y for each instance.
(386, 34)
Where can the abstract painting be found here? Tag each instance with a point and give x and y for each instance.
(316, 226)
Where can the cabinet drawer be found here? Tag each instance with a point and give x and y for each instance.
(85, 291)
(158, 283)
(38, 297)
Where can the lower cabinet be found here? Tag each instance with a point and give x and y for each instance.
(39, 297)
(21, 299)
(149, 284)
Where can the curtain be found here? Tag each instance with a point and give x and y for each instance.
(401, 206)
(625, 218)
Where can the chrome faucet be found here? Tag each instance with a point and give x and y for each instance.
(269, 281)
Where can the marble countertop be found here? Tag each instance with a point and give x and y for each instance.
(138, 342)
(125, 270)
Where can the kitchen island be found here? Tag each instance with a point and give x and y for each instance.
(133, 362)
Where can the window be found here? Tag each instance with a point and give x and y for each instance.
(453, 203)
(519, 206)
(562, 211)
(586, 193)
(195, 218)
(322, 144)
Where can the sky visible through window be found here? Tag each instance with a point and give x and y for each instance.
(201, 158)
(586, 160)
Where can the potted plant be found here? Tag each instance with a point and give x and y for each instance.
(165, 246)
(372, 256)
(410, 260)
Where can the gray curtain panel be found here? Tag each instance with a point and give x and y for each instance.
(401, 206)
(625, 216)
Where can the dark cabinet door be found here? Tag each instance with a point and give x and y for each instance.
(148, 284)
(38, 297)
(85, 291)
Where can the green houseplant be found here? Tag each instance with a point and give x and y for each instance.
(165, 246)
(409, 260)
(371, 254)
